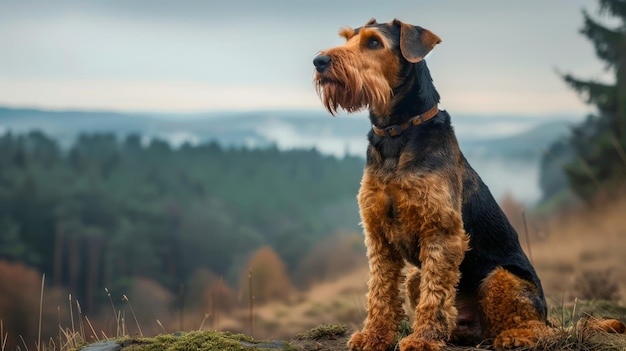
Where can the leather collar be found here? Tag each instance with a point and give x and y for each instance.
(397, 129)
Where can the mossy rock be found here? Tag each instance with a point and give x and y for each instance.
(323, 331)
(198, 340)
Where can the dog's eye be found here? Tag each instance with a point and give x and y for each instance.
(374, 43)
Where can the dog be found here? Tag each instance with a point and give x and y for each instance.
(422, 204)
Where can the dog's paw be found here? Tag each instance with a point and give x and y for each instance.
(514, 338)
(357, 341)
(366, 341)
(414, 343)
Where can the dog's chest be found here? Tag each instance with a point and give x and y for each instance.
(390, 209)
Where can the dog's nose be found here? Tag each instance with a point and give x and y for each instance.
(321, 62)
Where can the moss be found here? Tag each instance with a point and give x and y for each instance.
(199, 340)
(328, 331)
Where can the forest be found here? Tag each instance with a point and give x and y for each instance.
(106, 211)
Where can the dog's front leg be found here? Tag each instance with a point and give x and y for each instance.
(443, 244)
(384, 306)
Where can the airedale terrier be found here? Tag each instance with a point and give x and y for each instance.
(422, 203)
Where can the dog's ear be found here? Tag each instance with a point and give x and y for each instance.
(415, 41)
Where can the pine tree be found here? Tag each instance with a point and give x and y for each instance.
(599, 142)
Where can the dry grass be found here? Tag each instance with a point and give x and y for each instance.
(338, 301)
(582, 254)
(596, 285)
(582, 341)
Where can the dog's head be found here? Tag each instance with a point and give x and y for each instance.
(364, 72)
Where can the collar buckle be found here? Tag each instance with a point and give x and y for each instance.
(393, 130)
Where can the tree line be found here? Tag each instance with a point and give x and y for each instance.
(109, 209)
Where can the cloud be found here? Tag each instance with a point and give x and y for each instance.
(165, 96)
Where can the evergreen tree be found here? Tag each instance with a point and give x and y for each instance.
(599, 142)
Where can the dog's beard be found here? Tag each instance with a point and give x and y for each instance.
(346, 87)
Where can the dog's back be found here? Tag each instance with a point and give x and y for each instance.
(493, 240)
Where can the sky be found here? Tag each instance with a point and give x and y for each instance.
(496, 57)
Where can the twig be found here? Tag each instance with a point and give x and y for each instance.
(122, 321)
(92, 330)
(24, 342)
(530, 252)
(81, 325)
(251, 300)
(115, 315)
(589, 171)
(181, 301)
(59, 320)
(125, 298)
(72, 314)
(43, 279)
(70, 337)
(574, 311)
(3, 337)
(216, 307)
(562, 163)
(53, 343)
(161, 325)
(618, 147)
(206, 316)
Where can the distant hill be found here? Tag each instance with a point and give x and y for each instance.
(526, 144)
(506, 136)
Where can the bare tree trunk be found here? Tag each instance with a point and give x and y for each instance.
(58, 254)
